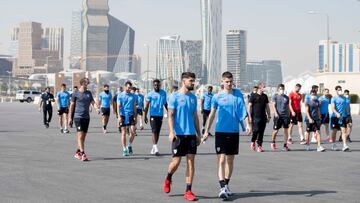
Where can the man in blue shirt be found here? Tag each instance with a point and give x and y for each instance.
(338, 118)
(324, 111)
(80, 103)
(231, 108)
(126, 109)
(281, 106)
(155, 101)
(105, 101)
(312, 120)
(348, 115)
(140, 107)
(63, 100)
(184, 132)
(206, 106)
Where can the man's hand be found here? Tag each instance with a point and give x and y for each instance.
(311, 120)
(202, 111)
(198, 140)
(70, 120)
(268, 119)
(276, 115)
(145, 119)
(248, 129)
(338, 115)
(293, 113)
(98, 111)
(120, 119)
(172, 136)
(205, 136)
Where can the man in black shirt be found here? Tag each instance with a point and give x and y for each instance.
(259, 116)
(45, 103)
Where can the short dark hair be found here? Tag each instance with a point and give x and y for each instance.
(227, 74)
(83, 81)
(326, 89)
(63, 85)
(255, 87)
(210, 87)
(313, 91)
(281, 85)
(106, 85)
(298, 85)
(347, 91)
(133, 88)
(75, 87)
(337, 87)
(156, 81)
(314, 87)
(128, 83)
(186, 75)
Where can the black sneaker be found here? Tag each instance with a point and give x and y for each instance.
(61, 130)
(47, 125)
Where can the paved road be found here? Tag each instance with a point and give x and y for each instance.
(37, 165)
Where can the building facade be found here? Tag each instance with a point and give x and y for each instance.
(193, 59)
(170, 58)
(76, 40)
(267, 71)
(14, 42)
(236, 56)
(343, 57)
(211, 20)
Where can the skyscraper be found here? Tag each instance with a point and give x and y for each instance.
(14, 42)
(53, 40)
(267, 71)
(170, 58)
(76, 40)
(95, 35)
(211, 19)
(193, 59)
(236, 56)
(343, 57)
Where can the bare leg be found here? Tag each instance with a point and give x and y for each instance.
(123, 136)
(229, 166)
(221, 166)
(190, 169)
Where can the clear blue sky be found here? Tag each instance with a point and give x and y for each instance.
(277, 29)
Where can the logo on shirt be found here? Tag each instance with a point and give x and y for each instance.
(192, 101)
(175, 151)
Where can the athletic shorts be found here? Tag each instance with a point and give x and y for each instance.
(156, 123)
(227, 143)
(105, 111)
(139, 112)
(325, 119)
(82, 124)
(131, 122)
(63, 110)
(296, 119)
(313, 127)
(337, 123)
(184, 145)
(348, 119)
(281, 122)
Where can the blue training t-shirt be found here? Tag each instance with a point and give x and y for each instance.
(63, 99)
(324, 104)
(207, 100)
(184, 107)
(231, 111)
(339, 103)
(105, 99)
(140, 101)
(157, 101)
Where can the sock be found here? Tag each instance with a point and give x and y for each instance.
(78, 150)
(104, 126)
(273, 141)
(169, 176)
(129, 145)
(227, 181)
(285, 145)
(124, 148)
(188, 187)
(222, 183)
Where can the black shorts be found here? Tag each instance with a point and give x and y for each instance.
(184, 145)
(82, 124)
(227, 143)
(139, 112)
(348, 119)
(297, 118)
(131, 122)
(156, 123)
(105, 111)
(63, 110)
(338, 123)
(281, 122)
(313, 127)
(325, 119)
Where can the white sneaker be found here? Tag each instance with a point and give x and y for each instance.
(227, 190)
(223, 193)
(320, 149)
(313, 139)
(307, 148)
(152, 152)
(156, 151)
(333, 147)
(345, 148)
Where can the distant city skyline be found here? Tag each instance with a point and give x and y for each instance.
(277, 29)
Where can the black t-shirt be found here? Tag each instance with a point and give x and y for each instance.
(259, 103)
(46, 98)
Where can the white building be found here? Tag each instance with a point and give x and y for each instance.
(236, 56)
(343, 57)
(211, 19)
(170, 58)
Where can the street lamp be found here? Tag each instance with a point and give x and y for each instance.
(47, 69)
(147, 72)
(327, 36)
(9, 85)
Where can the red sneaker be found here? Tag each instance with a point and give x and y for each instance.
(260, 149)
(84, 157)
(273, 146)
(167, 184)
(189, 196)
(303, 142)
(252, 146)
(290, 141)
(77, 155)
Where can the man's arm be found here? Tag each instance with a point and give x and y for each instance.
(334, 110)
(291, 109)
(268, 112)
(135, 111)
(209, 123)
(202, 104)
(147, 105)
(249, 111)
(171, 124)
(71, 110)
(308, 113)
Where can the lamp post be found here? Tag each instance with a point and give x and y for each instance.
(327, 36)
(9, 85)
(147, 71)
